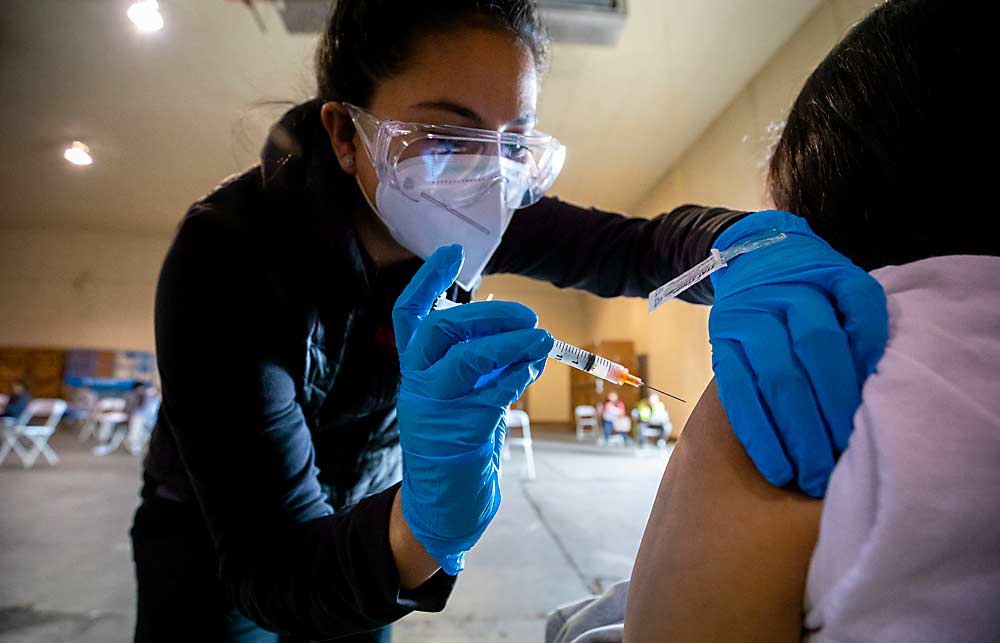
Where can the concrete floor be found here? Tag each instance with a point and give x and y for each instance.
(66, 571)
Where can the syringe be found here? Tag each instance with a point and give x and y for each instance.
(716, 261)
(583, 360)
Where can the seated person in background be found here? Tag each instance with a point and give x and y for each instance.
(18, 402)
(643, 411)
(877, 155)
(652, 420)
(612, 414)
(658, 416)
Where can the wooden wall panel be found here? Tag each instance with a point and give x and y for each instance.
(41, 368)
(12, 367)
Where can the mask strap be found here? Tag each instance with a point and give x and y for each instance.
(365, 194)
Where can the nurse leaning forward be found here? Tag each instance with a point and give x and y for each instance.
(326, 451)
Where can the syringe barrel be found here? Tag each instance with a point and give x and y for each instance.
(588, 362)
(575, 357)
(616, 373)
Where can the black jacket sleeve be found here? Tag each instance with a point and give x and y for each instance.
(287, 561)
(608, 254)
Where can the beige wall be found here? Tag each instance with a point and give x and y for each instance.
(72, 289)
(725, 166)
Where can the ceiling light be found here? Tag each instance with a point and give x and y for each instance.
(78, 154)
(145, 14)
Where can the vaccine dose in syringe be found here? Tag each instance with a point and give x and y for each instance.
(594, 364)
(580, 359)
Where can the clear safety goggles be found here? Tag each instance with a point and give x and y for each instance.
(422, 160)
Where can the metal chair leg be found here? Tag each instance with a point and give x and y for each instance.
(46, 451)
(9, 440)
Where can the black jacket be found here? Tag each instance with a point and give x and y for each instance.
(279, 373)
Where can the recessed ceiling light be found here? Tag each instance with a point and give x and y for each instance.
(145, 14)
(78, 154)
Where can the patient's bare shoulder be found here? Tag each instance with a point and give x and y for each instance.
(725, 554)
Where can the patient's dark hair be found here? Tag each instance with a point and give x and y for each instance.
(368, 41)
(883, 151)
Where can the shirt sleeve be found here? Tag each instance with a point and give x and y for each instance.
(608, 254)
(287, 561)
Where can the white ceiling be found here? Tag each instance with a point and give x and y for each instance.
(167, 115)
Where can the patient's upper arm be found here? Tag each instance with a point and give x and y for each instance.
(725, 554)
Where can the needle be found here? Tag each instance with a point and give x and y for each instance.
(580, 359)
(664, 393)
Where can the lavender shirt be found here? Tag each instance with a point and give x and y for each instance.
(909, 545)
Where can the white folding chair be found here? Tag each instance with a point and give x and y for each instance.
(34, 436)
(520, 419)
(110, 416)
(586, 420)
(85, 407)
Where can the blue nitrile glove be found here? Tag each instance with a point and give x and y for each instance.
(460, 369)
(796, 329)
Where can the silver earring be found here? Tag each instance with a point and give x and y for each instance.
(348, 160)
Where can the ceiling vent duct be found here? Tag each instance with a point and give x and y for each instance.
(582, 22)
(304, 16)
(585, 22)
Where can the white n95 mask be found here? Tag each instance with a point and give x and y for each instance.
(462, 204)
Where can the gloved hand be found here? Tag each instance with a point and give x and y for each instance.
(796, 329)
(460, 369)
